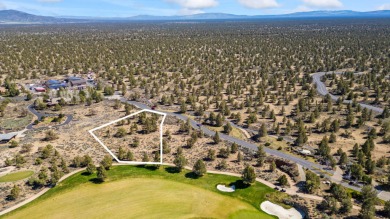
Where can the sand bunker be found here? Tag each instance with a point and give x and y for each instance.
(223, 188)
(277, 210)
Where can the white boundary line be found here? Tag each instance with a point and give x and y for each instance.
(133, 114)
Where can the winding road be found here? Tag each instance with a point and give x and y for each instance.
(314, 167)
(322, 90)
(317, 168)
(40, 115)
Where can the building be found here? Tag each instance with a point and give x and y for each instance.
(5, 138)
(76, 82)
(55, 84)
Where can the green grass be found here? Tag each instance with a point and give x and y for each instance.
(16, 123)
(47, 120)
(275, 144)
(137, 192)
(16, 176)
(237, 133)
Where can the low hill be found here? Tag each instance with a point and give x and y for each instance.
(13, 16)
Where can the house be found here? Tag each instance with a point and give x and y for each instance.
(76, 81)
(5, 138)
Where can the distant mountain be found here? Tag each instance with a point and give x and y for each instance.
(203, 16)
(222, 16)
(345, 13)
(13, 16)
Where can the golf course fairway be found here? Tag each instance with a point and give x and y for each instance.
(137, 192)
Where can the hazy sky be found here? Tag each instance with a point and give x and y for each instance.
(122, 8)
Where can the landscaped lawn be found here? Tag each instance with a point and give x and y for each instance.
(138, 192)
(16, 176)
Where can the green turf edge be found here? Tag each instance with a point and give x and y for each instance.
(253, 195)
(12, 177)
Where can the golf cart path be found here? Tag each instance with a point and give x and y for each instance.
(43, 191)
(291, 191)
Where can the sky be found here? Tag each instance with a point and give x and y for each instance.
(126, 8)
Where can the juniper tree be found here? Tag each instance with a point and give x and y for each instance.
(199, 168)
(101, 173)
(248, 175)
(216, 138)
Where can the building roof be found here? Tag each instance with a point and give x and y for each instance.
(40, 89)
(8, 136)
(74, 78)
(56, 86)
(78, 82)
(50, 82)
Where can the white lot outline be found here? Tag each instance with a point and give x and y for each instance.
(115, 121)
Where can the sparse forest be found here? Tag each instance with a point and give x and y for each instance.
(250, 80)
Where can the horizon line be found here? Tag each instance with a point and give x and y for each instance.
(184, 15)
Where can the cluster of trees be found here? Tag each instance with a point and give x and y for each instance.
(87, 162)
(312, 183)
(49, 176)
(12, 89)
(124, 154)
(372, 88)
(149, 123)
(338, 202)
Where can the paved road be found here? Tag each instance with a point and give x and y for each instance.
(317, 168)
(305, 163)
(322, 90)
(40, 115)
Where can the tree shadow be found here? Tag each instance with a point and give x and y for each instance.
(239, 184)
(172, 170)
(96, 181)
(191, 175)
(351, 217)
(85, 173)
(382, 187)
(147, 167)
(152, 167)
